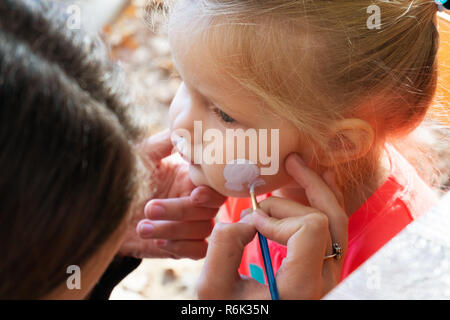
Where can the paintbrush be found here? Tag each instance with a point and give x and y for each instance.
(265, 251)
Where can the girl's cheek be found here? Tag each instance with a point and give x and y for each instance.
(214, 175)
(234, 186)
(274, 175)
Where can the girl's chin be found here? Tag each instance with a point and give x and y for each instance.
(198, 179)
(196, 176)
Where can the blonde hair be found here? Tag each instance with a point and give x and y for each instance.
(314, 62)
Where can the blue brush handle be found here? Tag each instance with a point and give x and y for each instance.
(268, 267)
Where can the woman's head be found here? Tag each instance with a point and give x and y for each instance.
(346, 87)
(67, 161)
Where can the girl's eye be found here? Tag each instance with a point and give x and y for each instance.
(223, 116)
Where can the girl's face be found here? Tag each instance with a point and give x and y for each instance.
(209, 103)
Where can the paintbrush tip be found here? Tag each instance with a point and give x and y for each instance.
(256, 183)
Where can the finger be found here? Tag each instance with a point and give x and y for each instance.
(156, 147)
(138, 248)
(306, 238)
(281, 208)
(192, 249)
(281, 230)
(206, 197)
(177, 209)
(174, 230)
(246, 212)
(220, 270)
(320, 196)
(330, 179)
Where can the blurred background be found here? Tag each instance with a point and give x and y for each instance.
(137, 37)
(138, 40)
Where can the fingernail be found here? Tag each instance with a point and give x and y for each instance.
(157, 212)
(246, 219)
(146, 229)
(202, 198)
(299, 159)
(245, 212)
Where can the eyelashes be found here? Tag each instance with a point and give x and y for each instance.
(223, 116)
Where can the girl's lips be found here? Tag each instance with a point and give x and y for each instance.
(181, 147)
(187, 159)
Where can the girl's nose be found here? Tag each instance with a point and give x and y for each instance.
(183, 111)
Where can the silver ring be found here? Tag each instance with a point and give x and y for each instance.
(337, 252)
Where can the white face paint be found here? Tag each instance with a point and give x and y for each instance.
(241, 172)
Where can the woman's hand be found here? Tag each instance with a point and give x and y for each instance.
(180, 216)
(308, 233)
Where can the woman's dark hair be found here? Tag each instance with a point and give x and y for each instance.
(67, 161)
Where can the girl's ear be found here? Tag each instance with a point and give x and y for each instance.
(349, 139)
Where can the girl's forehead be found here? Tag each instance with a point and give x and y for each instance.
(191, 30)
(202, 69)
(198, 62)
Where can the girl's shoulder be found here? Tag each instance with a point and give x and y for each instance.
(417, 196)
(402, 198)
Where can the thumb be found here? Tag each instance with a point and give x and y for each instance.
(220, 271)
